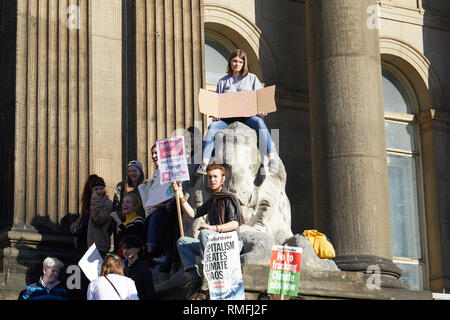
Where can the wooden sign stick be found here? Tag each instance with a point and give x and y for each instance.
(180, 221)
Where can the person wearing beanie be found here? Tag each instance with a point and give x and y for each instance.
(162, 230)
(93, 224)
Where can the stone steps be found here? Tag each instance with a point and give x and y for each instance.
(11, 285)
(315, 285)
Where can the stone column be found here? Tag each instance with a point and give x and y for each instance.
(169, 70)
(105, 90)
(350, 183)
(51, 144)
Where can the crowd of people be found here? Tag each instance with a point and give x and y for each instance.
(141, 235)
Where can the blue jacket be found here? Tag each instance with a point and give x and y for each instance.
(37, 291)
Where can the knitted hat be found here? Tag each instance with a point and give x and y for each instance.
(98, 183)
(136, 164)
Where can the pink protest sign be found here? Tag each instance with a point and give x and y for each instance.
(237, 104)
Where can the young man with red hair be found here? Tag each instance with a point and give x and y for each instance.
(224, 215)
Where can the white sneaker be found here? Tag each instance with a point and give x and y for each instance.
(201, 170)
(273, 165)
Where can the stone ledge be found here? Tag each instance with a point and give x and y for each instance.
(331, 285)
(314, 285)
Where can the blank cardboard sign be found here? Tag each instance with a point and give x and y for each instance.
(237, 104)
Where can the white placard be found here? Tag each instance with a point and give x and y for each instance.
(172, 162)
(222, 267)
(154, 193)
(91, 263)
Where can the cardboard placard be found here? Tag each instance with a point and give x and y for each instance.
(237, 104)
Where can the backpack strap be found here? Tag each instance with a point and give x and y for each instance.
(114, 287)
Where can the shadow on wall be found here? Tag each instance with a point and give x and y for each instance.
(29, 248)
(8, 22)
(129, 102)
(283, 43)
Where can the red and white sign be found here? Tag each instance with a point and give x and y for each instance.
(284, 273)
(172, 160)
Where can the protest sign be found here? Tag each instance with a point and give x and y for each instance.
(222, 267)
(172, 160)
(237, 104)
(154, 193)
(284, 270)
(91, 263)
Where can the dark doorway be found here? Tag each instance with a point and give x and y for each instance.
(8, 22)
(129, 138)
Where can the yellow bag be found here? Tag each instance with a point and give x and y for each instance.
(323, 248)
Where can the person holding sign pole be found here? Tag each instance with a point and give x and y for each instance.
(161, 228)
(238, 79)
(224, 215)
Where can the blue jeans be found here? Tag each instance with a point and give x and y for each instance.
(254, 122)
(189, 247)
(155, 227)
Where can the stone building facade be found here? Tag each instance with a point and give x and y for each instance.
(363, 120)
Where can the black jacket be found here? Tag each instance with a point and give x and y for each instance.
(142, 277)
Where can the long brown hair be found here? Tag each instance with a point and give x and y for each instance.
(129, 186)
(111, 264)
(87, 192)
(241, 54)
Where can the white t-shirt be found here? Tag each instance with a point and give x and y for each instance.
(101, 289)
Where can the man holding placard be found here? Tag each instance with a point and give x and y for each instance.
(169, 156)
(224, 215)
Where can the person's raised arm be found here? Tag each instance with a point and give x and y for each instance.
(178, 189)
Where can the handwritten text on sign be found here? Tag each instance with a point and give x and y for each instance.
(284, 270)
(172, 160)
(153, 193)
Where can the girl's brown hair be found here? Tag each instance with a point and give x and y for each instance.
(241, 54)
(87, 192)
(111, 264)
(135, 199)
(129, 185)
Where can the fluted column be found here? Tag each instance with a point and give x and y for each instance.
(63, 109)
(52, 160)
(350, 183)
(21, 114)
(105, 90)
(169, 66)
(51, 112)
